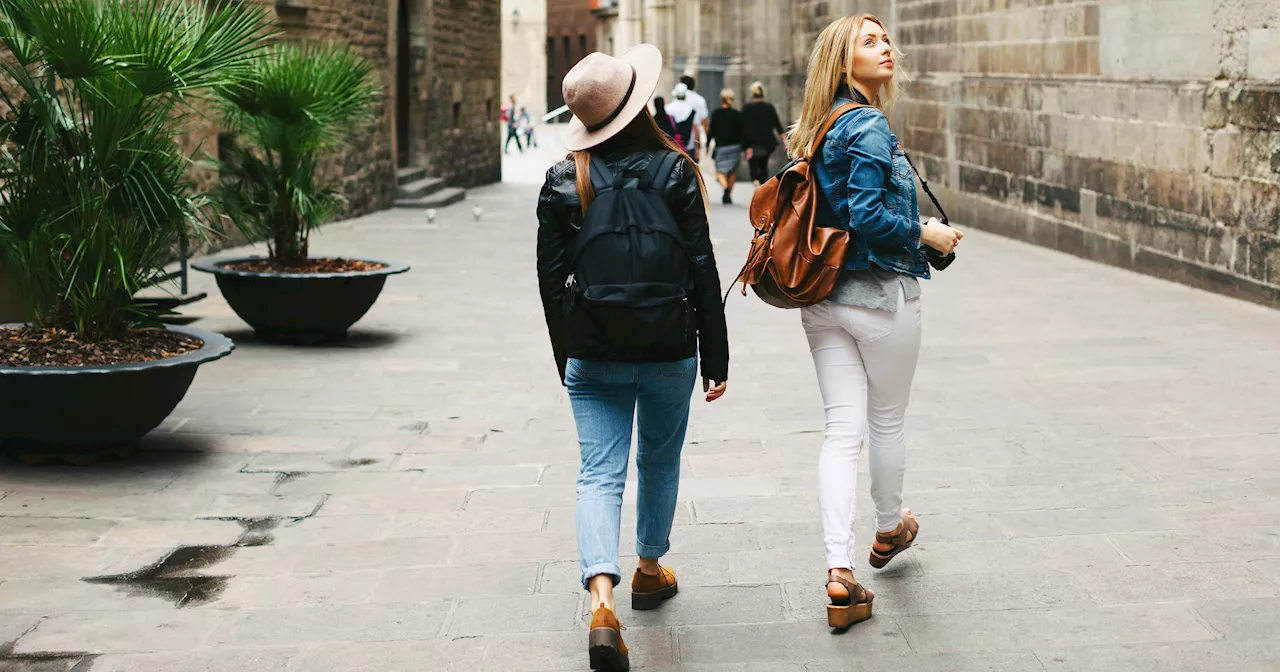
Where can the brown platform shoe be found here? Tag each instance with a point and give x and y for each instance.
(650, 591)
(605, 646)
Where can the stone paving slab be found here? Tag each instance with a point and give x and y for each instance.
(1093, 455)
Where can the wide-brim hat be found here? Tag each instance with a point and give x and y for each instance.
(606, 93)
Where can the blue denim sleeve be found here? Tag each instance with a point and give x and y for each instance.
(870, 150)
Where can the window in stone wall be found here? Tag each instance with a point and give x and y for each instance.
(582, 46)
(488, 109)
(568, 54)
(457, 115)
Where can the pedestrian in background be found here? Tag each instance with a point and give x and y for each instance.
(762, 128)
(631, 295)
(865, 338)
(699, 104)
(526, 128)
(510, 112)
(684, 119)
(663, 119)
(729, 135)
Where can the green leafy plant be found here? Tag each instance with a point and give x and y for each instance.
(94, 187)
(302, 101)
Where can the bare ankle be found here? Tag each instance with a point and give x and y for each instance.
(601, 588)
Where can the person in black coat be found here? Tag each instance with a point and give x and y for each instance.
(618, 381)
(661, 117)
(729, 136)
(762, 128)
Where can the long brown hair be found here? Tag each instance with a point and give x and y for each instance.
(642, 133)
(830, 65)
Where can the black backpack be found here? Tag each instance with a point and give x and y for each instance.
(684, 129)
(630, 283)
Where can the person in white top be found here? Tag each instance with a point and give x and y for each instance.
(699, 107)
(685, 119)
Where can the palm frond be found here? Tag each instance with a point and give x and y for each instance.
(300, 101)
(94, 190)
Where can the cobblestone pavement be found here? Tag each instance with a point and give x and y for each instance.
(1093, 459)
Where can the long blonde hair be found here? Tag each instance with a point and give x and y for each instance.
(830, 65)
(642, 133)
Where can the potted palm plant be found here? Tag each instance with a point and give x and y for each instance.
(302, 103)
(94, 194)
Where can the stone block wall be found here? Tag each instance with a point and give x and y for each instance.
(1140, 133)
(365, 167)
(462, 72)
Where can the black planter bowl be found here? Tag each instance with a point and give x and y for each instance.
(82, 413)
(299, 308)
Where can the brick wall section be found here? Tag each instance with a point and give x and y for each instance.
(463, 69)
(364, 168)
(1141, 133)
(455, 59)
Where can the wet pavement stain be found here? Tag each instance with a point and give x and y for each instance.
(362, 462)
(176, 578)
(257, 531)
(43, 662)
(171, 579)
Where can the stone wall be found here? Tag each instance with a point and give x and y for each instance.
(462, 71)
(365, 167)
(1140, 133)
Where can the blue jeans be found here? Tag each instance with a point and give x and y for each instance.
(606, 396)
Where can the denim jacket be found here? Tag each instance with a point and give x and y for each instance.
(867, 189)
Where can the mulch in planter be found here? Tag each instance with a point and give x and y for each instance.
(325, 265)
(29, 346)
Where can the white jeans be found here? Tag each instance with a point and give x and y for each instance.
(866, 360)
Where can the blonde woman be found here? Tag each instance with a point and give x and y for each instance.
(729, 135)
(865, 338)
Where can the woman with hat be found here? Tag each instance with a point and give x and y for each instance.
(615, 145)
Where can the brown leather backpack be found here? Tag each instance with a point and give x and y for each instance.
(792, 262)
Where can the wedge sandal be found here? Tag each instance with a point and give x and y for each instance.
(852, 607)
(899, 540)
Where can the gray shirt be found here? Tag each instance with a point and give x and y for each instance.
(874, 288)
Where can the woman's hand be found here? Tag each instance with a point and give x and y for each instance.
(939, 236)
(714, 390)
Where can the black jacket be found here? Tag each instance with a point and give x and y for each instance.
(727, 128)
(560, 217)
(761, 123)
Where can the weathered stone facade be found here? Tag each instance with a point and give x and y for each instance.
(1140, 133)
(440, 80)
(460, 75)
(571, 35)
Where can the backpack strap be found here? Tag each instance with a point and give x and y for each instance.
(660, 169)
(831, 121)
(601, 176)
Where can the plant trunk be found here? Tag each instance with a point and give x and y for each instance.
(290, 247)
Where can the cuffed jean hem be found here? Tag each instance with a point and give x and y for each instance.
(614, 572)
(655, 552)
